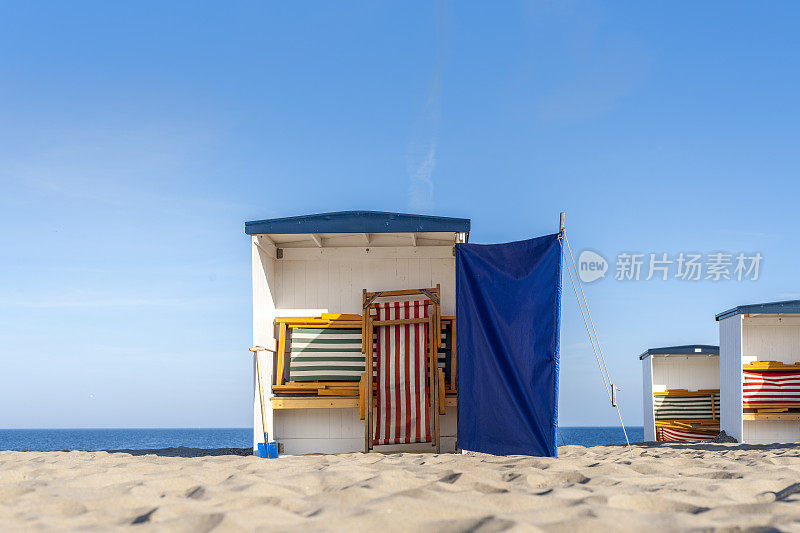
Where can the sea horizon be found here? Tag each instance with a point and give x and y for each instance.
(98, 439)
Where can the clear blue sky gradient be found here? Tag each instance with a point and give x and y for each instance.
(137, 138)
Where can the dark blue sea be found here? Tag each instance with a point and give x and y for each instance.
(123, 439)
(209, 438)
(599, 436)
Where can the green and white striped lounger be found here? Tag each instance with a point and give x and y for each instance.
(325, 354)
(686, 407)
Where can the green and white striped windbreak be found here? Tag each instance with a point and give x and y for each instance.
(686, 407)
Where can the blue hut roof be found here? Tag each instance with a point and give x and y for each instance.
(769, 308)
(358, 222)
(686, 349)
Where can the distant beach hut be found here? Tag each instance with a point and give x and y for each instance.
(760, 372)
(681, 392)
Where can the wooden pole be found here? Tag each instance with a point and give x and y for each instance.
(256, 351)
(713, 410)
(561, 222)
(281, 353)
(453, 353)
(370, 378)
(364, 317)
(438, 307)
(433, 367)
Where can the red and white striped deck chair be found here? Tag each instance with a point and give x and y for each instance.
(406, 350)
(403, 390)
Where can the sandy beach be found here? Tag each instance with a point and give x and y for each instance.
(667, 487)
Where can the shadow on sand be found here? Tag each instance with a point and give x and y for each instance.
(182, 451)
(714, 447)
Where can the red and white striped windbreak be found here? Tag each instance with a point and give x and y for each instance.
(674, 434)
(402, 375)
(771, 386)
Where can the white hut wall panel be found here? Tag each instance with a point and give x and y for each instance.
(768, 432)
(340, 431)
(263, 331)
(647, 396)
(730, 371)
(319, 430)
(333, 285)
(692, 372)
(770, 338)
(309, 282)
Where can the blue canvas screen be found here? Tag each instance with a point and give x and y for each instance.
(508, 314)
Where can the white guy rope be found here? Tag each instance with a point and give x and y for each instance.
(593, 338)
(588, 313)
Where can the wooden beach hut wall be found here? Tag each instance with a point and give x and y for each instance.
(309, 274)
(681, 392)
(760, 372)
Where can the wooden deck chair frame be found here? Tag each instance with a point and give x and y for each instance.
(311, 394)
(435, 375)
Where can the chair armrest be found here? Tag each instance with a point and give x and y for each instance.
(362, 396)
(442, 407)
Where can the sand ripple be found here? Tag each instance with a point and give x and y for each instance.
(669, 487)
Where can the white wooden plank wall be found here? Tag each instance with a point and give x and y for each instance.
(767, 432)
(647, 397)
(685, 372)
(331, 281)
(335, 286)
(340, 431)
(730, 362)
(263, 335)
(771, 338)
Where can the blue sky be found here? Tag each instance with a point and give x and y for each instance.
(137, 138)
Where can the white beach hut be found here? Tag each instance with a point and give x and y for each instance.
(681, 392)
(311, 272)
(760, 372)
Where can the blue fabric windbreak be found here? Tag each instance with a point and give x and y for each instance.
(508, 300)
